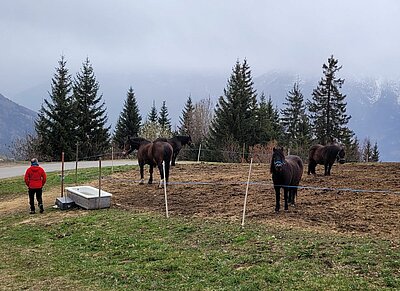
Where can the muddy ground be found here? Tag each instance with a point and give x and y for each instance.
(218, 191)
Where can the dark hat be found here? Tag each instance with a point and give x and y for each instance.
(34, 162)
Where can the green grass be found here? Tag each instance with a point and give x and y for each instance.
(11, 187)
(119, 250)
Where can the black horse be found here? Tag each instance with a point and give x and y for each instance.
(150, 153)
(325, 155)
(286, 174)
(177, 142)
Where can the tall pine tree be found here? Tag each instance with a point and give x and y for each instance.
(235, 122)
(328, 107)
(295, 122)
(55, 124)
(268, 123)
(163, 119)
(152, 116)
(186, 120)
(375, 153)
(92, 133)
(129, 121)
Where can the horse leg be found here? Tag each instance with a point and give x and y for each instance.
(292, 196)
(311, 167)
(173, 159)
(161, 170)
(329, 168)
(278, 198)
(141, 173)
(285, 197)
(167, 167)
(151, 174)
(326, 167)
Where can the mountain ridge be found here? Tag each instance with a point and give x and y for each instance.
(16, 121)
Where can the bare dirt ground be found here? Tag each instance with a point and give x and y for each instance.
(217, 191)
(222, 196)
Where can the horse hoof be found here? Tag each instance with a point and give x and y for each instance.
(141, 182)
(276, 210)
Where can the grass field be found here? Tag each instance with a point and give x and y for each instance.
(114, 249)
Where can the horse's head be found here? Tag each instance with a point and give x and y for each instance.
(127, 149)
(132, 144)
(341, 156)
(184, 139)
(278, 160)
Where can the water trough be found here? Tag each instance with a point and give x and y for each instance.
(89, 197)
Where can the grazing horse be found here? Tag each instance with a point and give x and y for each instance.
(286, 174)
(325, 155)
(177, 142)
(150, 153)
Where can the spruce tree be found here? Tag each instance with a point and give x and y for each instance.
(163, 119)
(152, 116)
(186, 120)
(328, 108)
(264, 120)
(129, 121)
(55, 124)
(235, 122)
(295, 122)
(92, 133)
(375, 153)
(272, 115)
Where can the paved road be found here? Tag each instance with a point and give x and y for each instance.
(14, 171)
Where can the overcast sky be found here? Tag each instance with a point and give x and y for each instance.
(194, 35)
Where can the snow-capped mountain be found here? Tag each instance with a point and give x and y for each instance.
(374, 106)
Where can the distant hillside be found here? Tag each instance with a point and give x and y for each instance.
(16, 121)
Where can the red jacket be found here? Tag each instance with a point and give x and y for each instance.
(35, 177)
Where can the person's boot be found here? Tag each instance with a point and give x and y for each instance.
(32, 211)
(41, 208)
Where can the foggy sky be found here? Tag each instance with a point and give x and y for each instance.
(192, 35)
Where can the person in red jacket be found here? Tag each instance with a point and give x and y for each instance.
(35, 178)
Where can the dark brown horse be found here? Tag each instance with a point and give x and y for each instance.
(325, 155)
(152, 154)
(177, 142)
(286, 174)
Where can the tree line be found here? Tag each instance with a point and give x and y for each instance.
(242, 123)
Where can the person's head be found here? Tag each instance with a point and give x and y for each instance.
(34, 162)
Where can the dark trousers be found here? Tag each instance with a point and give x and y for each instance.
(38, 193)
